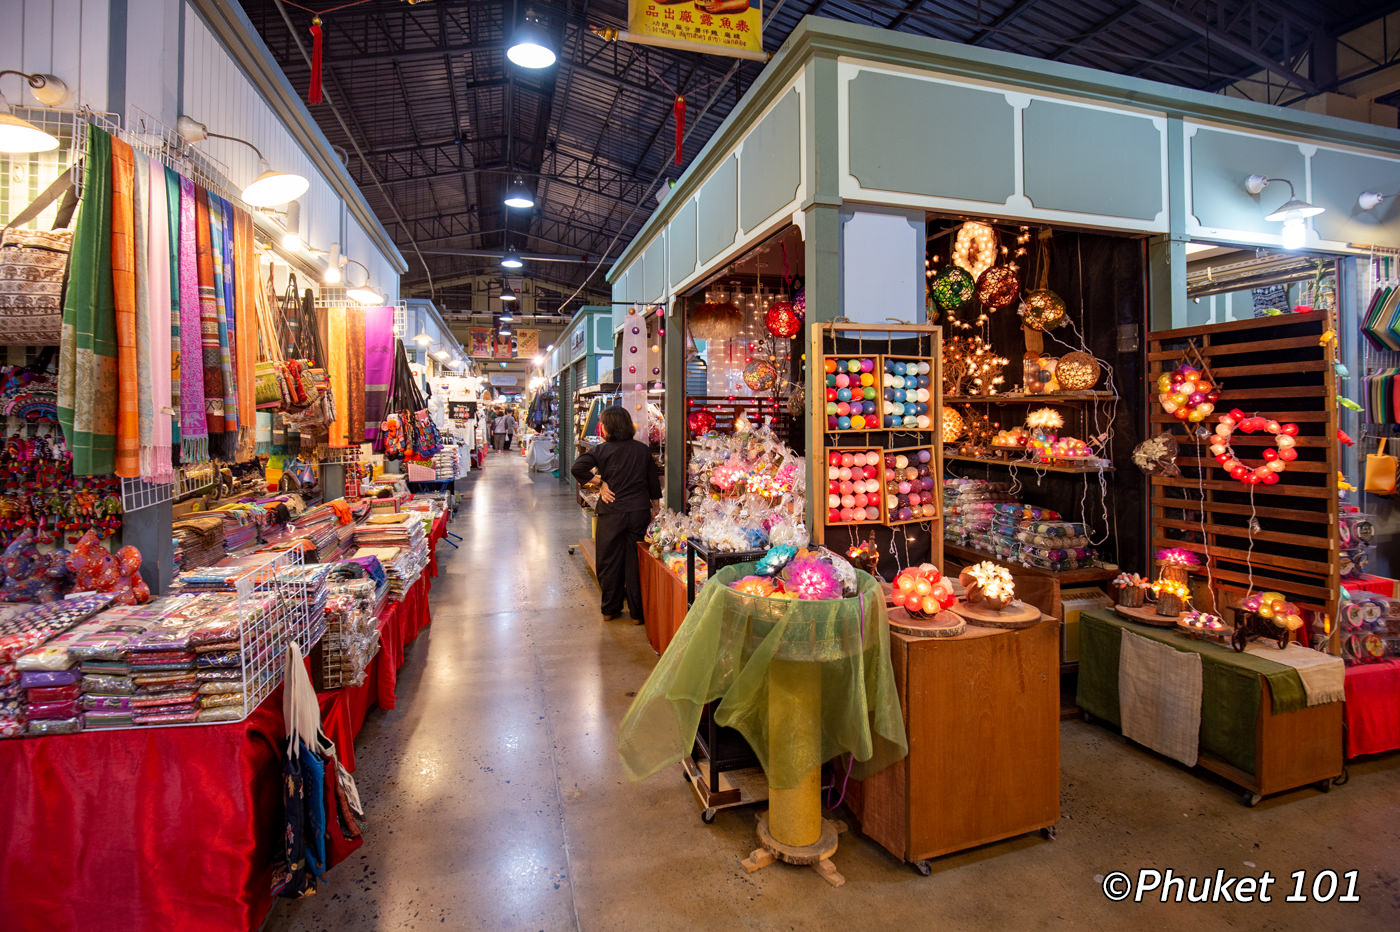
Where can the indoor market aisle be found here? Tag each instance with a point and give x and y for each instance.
(496, 799)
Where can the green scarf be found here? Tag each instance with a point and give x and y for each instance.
(87, 367)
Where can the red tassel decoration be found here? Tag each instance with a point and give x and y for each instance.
(679, 111)
(313, 95)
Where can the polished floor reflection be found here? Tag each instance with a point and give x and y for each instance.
(497, 802)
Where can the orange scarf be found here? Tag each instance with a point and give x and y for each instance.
(128, 462)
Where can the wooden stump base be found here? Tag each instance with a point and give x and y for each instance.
(816, 856)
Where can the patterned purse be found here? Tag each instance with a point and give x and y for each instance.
(33, 267)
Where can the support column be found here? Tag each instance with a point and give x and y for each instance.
(148, 530)
(673, 369)
(795, 730)
(1166, 255)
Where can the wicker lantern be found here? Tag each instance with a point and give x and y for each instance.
(953, 288)
(952, 424)
(1077, 372)
(1044, 310)
(999, 286)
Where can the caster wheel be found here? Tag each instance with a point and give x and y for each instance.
(924, 867)
(1049, 833)
(708, 815)
(573, 550)
(1250, 799)
(1324, 786)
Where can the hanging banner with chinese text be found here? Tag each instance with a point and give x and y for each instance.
(713, 27)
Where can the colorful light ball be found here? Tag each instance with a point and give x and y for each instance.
(782, 321)
(953, 425)
(700, 422)
(999, 286)
(953, 288)
(1044, 310)
(1079, 372)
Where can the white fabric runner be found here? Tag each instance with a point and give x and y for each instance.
(1159, 696)
(1323, 675)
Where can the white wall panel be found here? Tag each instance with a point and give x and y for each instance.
(67, 38)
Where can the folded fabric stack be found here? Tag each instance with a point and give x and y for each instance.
(306, 585)
(107, 686)
(23, 632)
(162, 667)
(352, 631)
(402, 565)
(199, 540)
(241, 530)
(446, 462)
(321, 525)
(228, 577)
(220, 675)
(50, 680)
(11, 699)
(970, 509)
(404, 529)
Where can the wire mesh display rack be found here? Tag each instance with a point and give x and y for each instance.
(272, 613)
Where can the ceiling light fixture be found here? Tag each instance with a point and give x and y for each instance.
(1291, 212)
(270, 188)
(506, 293)
(511, 259)
(530, 46)
(506, 317)
(519, 196)
(21, 136)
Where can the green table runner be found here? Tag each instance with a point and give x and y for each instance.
(1230, 683)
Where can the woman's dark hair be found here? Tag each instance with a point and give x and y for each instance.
(617, 423)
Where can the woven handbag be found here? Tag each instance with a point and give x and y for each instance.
(33, 266)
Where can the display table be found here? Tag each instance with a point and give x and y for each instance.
(663, 599)
(982, 711)
(436, 533)
(1255, 728)
(1034, 586)
(1373, 708)
(169, 828)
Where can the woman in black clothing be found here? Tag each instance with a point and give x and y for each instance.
(631, 495)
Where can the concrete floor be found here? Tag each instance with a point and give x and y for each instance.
(496, 799)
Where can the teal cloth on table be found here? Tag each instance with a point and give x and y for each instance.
(1231, 689)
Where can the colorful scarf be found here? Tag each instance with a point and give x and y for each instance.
(87, 359)
(210, 326)
(355, 375)
(245, 355)
(379, 366)
(172, 204)
(155, 455)
(194, 425)
(337, 339)
(220, 247)
(141, 228)
(127, 462)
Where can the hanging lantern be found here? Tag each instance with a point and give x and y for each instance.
(1077, 372)
(952, 424)
(953, 288)
(760, 375)
(975, 248)
(782, 321)
(1044, 310)
(999, 286)
(700, 422)
(715, 320)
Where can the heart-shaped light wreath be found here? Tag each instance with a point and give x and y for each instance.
(1275, 460)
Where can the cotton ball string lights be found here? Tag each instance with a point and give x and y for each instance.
(911, 492)
(852, 393)
(1187, 394)
(1045, 419)
(907, 394)
(1077, 372)
(1043, 310)
(760, 375)
(989, 585)
(853, 486)
(1275, 460)
(700, 422)
(1275, 607)
(975, 248)
(923, 590)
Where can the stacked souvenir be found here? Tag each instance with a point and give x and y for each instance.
(748, 490)
(1132, 589)
(798, 573)
(306, 586)
(910, 486)
(1008, 521)
(107, 686)
(970, 508)
(402, 565)
(11, 698)
(24, 628)
(1055, 545)
(352, 629)
(199, 540)
(908, 394)
(162, 665)
(854, 493)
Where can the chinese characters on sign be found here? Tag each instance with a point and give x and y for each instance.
(718, 27)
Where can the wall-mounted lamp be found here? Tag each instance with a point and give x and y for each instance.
(20, 136)
(511, 259)
(530, 46)
(1370, 199)
(422, 339)
(1291, 212)
(270, 188)
(364, 293)
(334, 263)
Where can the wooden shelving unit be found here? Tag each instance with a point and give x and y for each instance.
(1023, 399)
(1276, 367)
(1026, 464)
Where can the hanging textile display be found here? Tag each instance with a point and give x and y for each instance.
(354, 402)
(155, 426)
(379, 366)
(127, 463)
(634, 376)
(225, 270)
(246, 348)
(172, 206)
(336, 340)
(210, 326)
(87, 386)
(194, 422)
(527, 343)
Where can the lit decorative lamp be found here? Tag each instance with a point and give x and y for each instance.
(975, 248)
(1077, 372)
(952, 424)
(999, 286)
(953, 288)
(715, 320)
(1044, 310)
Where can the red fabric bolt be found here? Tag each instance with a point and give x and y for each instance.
(313, 94)
(679, 110)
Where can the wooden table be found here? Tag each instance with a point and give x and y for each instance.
(982, 714)
(1290, 750)
(1034, 586)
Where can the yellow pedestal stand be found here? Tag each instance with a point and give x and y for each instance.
(793, 829)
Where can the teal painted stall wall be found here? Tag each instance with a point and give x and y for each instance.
(1338, 178)
(719, 210)
(1221, 161)
(1092, 161)
(770, 166)
(681, 234)
(923, 137)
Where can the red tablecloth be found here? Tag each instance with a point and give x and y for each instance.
(168, 828)
(1373, 708)
(435, 534)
